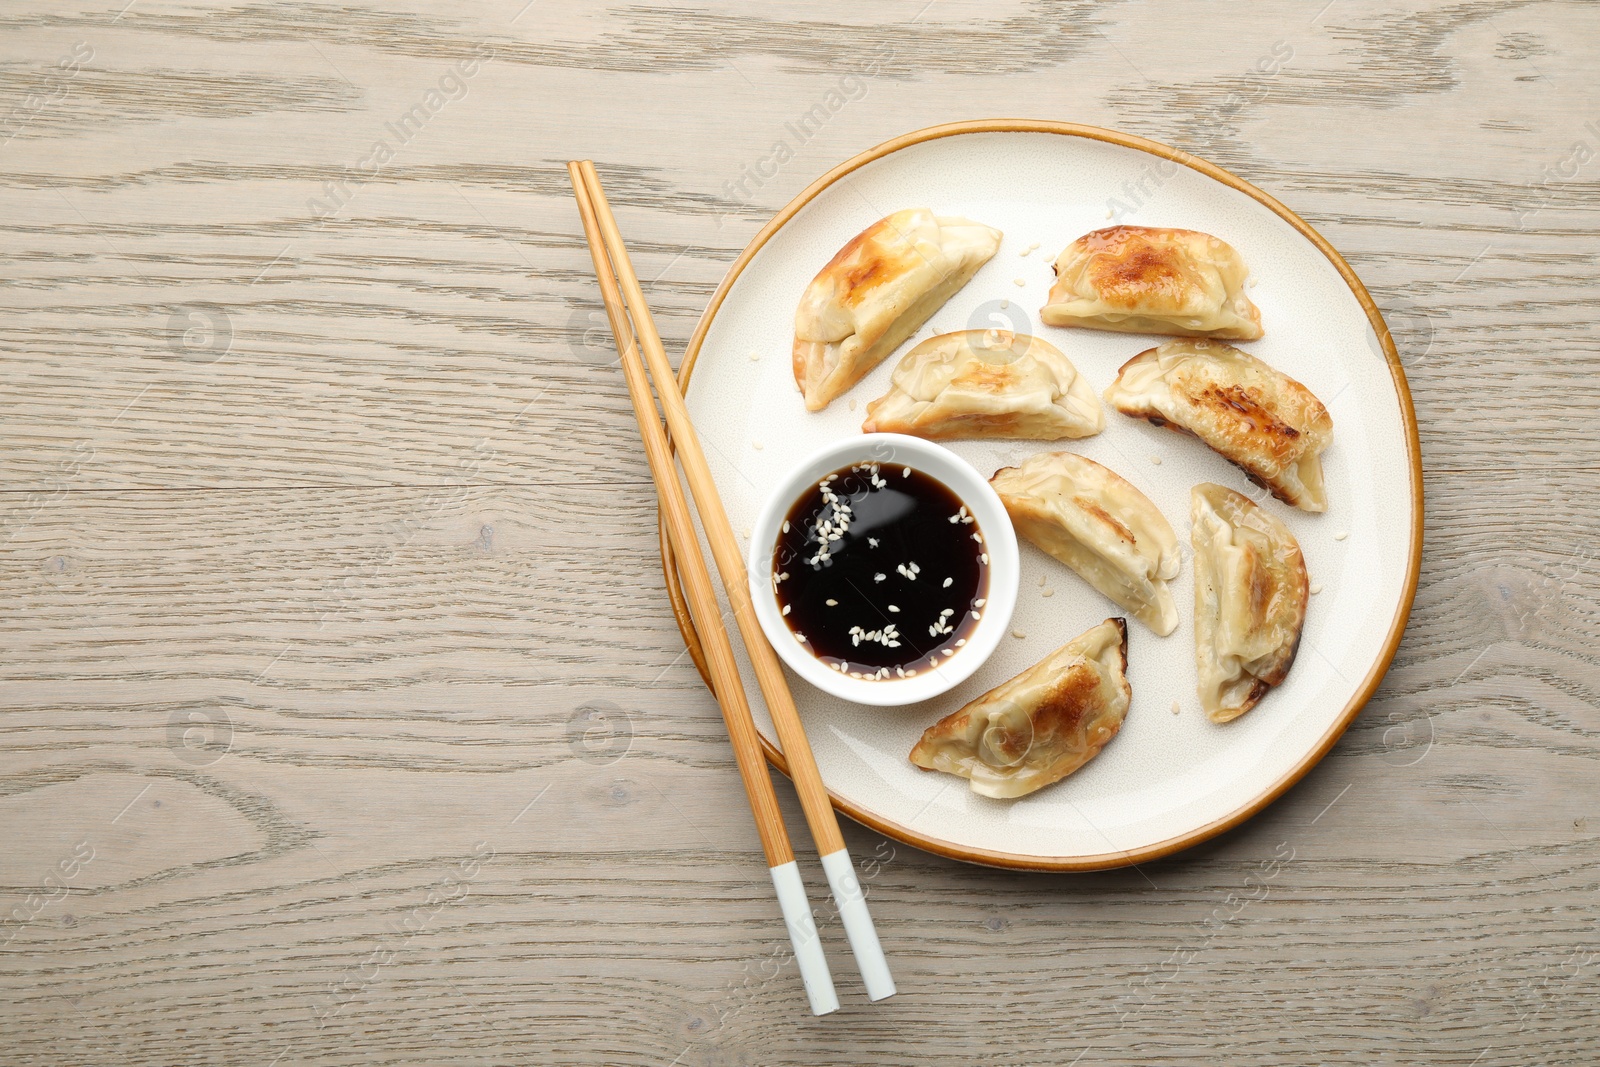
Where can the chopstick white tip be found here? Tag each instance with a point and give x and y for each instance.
(852, 904)
(814, 972)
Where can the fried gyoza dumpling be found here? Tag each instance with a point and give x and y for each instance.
(1250, 591)
(1142, 279)
(1040, 726)
(1094, 520)
(1260, 419)
(874, 294)
(986, 383)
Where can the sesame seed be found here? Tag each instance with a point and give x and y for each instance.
(1048, 592)
(755, 356)
(980, 602)
(985, 558)
(852, 403)
(912, 673)
(1340, 536)
(756, 445)
(1041, 580)
(800, 637)
(1316, 587)
(786, 608)
(1018, 634)
(975, 615)
(872, 542)
(947, 582)
(833, 603)
(785, 525)
(879, 577)
(1156, 460)
(894, 609)
(1004, 304)
(947, 651)
(1019, 282)
(960, 641)
(905, 472)
(1175, 707)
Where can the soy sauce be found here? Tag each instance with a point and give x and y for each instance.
(880, 571)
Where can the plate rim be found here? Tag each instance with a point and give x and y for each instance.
(1364, 691)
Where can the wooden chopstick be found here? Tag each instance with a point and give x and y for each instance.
(803, 770)
(707, 615)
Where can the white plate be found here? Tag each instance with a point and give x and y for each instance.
(1168, 780)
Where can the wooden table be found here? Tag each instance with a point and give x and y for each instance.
(344, 718)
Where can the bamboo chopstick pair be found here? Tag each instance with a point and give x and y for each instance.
(612, 267)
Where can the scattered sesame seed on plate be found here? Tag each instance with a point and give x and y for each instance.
(975, 615)
(894, 609)
(1019, 282)
(1047, 592)
(756, 445)
(1018, 634)
(947, 582)
(1156, 460)
(1174, 707)
(1041, 581)
(754, 356)
(1340, 536)
(1004, 304)
(1316, 587)
(786, 608)
(852, 403)
(832, 603)
(905, 472)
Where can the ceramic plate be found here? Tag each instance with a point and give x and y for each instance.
(1171, 778)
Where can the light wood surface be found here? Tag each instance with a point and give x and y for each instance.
(361, 505)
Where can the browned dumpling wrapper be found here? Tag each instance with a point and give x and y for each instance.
(876, 291)
(1144, 279)
(1256, 417)
(1040, 726)
(986, 383)
(1250, 593)
(1098, 523)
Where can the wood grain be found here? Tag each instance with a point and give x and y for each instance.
(341, 720)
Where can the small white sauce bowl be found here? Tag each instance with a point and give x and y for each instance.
(891, 450)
